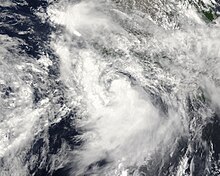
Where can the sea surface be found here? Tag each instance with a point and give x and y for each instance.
(109, 88)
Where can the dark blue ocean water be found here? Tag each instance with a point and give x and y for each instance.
(21, 21)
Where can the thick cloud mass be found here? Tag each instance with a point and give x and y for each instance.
(109, 88)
